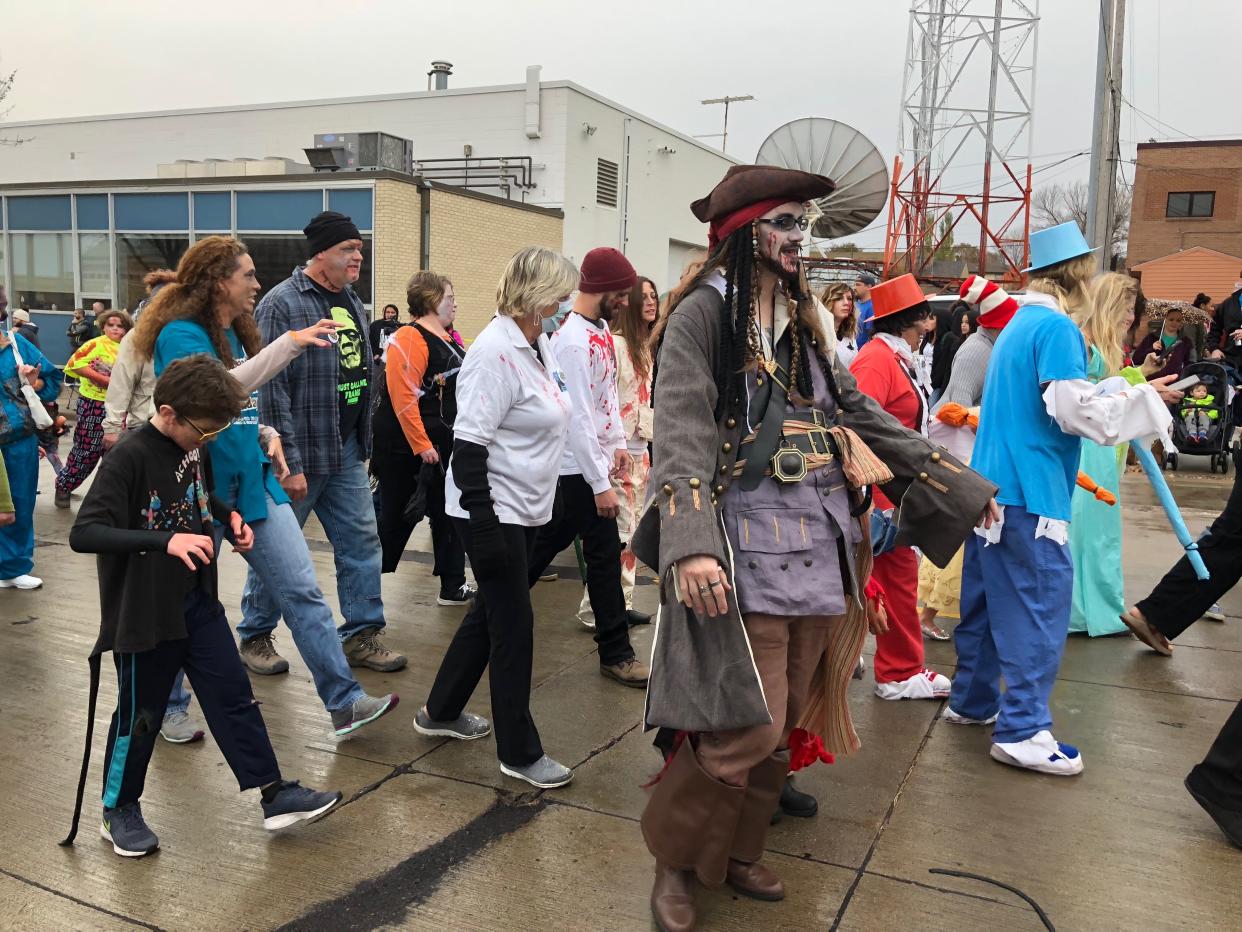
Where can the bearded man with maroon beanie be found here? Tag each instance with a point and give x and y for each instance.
(586, 505)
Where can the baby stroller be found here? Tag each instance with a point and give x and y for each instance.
(1220, 424)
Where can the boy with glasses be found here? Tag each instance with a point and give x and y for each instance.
(149, 518)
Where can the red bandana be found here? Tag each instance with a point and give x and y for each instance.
(722, 228)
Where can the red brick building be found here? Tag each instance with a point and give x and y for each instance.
(1188, 194)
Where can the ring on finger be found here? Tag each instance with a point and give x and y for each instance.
(705, 588)
(713, 584)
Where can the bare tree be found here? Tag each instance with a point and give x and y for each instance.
(6, 85)
(1060, 203)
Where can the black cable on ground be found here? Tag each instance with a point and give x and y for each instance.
(1043, 916)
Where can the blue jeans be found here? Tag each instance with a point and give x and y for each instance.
(281, 559)
(21, 460)
(1015, 616)
(342, 502)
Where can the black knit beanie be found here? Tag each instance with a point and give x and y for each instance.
(328, 229)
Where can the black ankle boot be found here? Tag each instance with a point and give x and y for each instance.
(796, 803)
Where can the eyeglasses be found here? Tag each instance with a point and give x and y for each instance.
(205, 435)
(786, 222)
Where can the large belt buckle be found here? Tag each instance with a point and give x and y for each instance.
(818, 438)
(788, 464)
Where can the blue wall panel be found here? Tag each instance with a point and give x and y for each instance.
(92, 211)
(277, 210)
(354, 204)
(40, 212)
(152, 211)
(213, 211)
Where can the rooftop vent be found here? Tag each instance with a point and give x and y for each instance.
(605, 183)
(437, 77)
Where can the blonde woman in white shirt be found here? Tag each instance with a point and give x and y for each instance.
(838, 298)
(508, 439)
(631, 329)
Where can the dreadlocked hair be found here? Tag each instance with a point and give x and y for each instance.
(737, 257)
(192, 296)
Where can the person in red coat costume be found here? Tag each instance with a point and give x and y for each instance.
(885, 370)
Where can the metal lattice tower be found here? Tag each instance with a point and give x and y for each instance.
(964, 134)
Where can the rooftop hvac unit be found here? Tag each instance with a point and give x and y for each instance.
(361, 152)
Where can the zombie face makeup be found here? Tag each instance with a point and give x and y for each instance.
(780, 237)
(612, 303)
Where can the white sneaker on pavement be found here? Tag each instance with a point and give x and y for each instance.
(926, 684)
(1042, 753)
(24, 581)
(1215, 613)
(953, 718)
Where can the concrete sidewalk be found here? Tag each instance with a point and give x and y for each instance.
(432, 835)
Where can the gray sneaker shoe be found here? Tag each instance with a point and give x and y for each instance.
(466, 727)
(1215, 613)
(179, 728)
(544, 773)
(363, 712)
(365, 649)
(296, 803)
(125, 827)
(259, 655)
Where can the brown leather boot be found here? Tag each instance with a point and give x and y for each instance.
(691, 819)
(763, 794)
(672, 899)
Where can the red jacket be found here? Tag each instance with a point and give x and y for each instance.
(885, 378)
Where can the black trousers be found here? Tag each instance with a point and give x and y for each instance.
(397, 472)
(144, 680)
(574, 515)
(498, 633)
(1177, 602)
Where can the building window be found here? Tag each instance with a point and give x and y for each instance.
(96, 269)
(40, 212)
(152, 211)
(92, 211)
(277, 210)
(42, 271)
(136, 255)
(605, 183)
(275, 257)
(1191, 204)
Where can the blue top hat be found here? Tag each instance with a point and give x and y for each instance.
(1056, 245)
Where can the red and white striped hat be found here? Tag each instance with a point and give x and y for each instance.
(996, 308)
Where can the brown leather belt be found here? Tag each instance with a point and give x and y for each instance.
(805, 445)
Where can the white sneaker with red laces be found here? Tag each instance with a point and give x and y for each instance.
(926, 684)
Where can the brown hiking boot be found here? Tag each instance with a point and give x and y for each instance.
(630, 672)
(259, 655)
(364, 649)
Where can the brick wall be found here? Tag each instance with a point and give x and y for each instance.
(1167, 167)
(472, 239)
(396, 244)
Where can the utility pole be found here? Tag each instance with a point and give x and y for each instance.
(724, 136)
(1105, 147)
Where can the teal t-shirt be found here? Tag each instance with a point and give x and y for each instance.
(240, 468)
(1019, 447)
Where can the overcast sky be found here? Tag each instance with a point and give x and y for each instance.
(835, 58)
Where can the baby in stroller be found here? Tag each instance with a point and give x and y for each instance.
(1198, 413)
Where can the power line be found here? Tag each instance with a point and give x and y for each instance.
(1129, 103)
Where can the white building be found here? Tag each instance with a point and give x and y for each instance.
(619, 178)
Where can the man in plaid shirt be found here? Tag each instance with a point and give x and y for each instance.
(321, 407)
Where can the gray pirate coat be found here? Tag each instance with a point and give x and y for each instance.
(703, 676)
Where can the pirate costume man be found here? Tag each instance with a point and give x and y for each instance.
(761, 441)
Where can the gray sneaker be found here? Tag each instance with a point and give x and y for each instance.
(363, 712)
(179, 728)
(1215, 613)
(259, 655)
(544, 773)
(466, 727)
(125, 827)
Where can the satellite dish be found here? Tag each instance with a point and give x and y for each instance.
(828, 147)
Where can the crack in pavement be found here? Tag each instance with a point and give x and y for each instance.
(73, 899)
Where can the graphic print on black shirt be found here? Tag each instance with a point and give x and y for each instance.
(351, 369)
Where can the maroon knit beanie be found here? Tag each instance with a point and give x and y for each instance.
(606, 269)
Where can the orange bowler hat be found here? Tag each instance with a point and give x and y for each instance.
(895, 295)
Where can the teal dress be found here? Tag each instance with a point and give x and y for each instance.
(1095, 537)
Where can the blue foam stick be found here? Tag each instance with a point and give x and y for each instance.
(1156, 476)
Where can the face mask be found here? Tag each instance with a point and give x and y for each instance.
(553, 323)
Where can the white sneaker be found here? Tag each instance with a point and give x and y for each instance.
(587, 619)
(953, 718)
(927, 684)
(1040, 752)
(1215, 613)
(22, 582)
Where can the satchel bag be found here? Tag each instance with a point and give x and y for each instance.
(39, 413)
